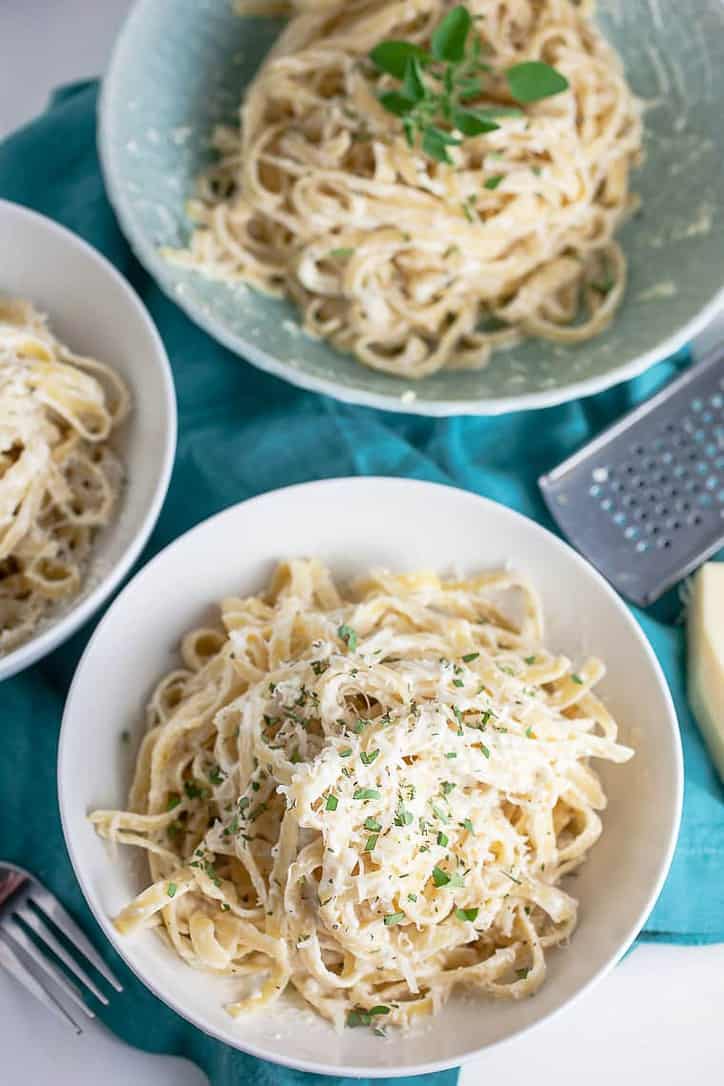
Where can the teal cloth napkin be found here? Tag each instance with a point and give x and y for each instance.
(227, 408)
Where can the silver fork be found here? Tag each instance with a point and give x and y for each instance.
(27, 907)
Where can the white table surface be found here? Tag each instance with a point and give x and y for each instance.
(655, 1019)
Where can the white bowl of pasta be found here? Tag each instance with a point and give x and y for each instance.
(87, 433)
(360, 800)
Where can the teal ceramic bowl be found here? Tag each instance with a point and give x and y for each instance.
(180, 66)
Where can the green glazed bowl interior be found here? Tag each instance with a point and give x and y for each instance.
(181, 66)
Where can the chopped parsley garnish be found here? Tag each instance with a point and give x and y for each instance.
(529, 732)
(341, 253)
(441, 878)
(372, 824)
(173, 801)
(366, 793)
(346, 753)
(451, 754)
(193, 791)
(394, 918)
(577, 679)
(470, 656)
(458, 682)
(522, 973)
(442, 839)
(531, 659)
(467, 914)
(332, 803)
(368, 759)
(447, 787)
(171, 889)
(412, 897)
(403, 817)
(360, 1017)
(468, 825)
(439, 813)
(371, 842)
(349, 636)
(216, 775)
(493, 182)
(485, 750)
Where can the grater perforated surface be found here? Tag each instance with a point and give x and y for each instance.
(644, 502)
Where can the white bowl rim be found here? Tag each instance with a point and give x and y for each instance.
(362, 1071)
(163, 276)
(58, 631)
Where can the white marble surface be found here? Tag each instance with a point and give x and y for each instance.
(655, 1019)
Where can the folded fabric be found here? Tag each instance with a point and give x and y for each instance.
(242, 432)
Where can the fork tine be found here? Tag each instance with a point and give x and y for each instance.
(54, 911)
(31, 918)
(10, 961)
(15, 935)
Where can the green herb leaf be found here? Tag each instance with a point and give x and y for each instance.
(349, 636)
(337, 254)
(379, 1009)
(403, 817)
(485, 750)
(332, 803)
(530, 659)
(173, 801)
(412, 897)
(171, 889)
(522, 973)
(468, 659)
(368, 759)
(413, 85)
(447, 787)
(533, 80)
(467, 914)
(472, 123)
(439, 813)
(440, 877)
(493, 182)
(467, 823)
(366, 793)
(448, 39)
(392, 56)
(346, 752)
(397, 103)
(371, 842)
(372, 824)
(577, 679)
(442, 839)
(529, 732)
(394, 918)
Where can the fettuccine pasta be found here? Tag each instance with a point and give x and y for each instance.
(409, 263)
(59, 480)
(369, 797)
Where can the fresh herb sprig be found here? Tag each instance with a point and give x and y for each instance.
(439, 86)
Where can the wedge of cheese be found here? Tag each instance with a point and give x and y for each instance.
(705, 630)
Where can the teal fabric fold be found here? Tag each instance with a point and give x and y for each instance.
(242, 432)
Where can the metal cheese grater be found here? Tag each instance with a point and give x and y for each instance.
(644, 501)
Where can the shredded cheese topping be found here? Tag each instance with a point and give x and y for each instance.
(371, 796)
